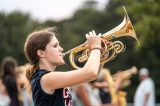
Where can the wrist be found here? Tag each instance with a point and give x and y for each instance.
(96, 48)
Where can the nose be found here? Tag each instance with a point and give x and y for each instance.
(60, 49)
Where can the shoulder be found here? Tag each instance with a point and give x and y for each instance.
(38, 74)
(36, 81)
(39, 79)
(148, 81)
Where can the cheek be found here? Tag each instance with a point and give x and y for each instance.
(52, 53)
(55, 53)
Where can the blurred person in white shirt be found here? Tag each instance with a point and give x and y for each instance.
(145, 93)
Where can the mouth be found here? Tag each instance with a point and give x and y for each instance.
(62, 55)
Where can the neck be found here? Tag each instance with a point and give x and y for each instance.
(46, 66)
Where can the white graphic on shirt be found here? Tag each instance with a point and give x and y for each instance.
(67, 97)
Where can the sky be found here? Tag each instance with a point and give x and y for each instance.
(45, 9)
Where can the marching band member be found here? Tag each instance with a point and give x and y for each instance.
(50, 87)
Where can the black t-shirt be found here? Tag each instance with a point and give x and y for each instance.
(61, 97)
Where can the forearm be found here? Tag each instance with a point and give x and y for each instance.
(117, 84)
(100, 68)
(93, 62)
(146, 99)
(83, 95)
(103, 84)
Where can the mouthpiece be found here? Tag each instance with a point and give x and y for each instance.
(64, 54)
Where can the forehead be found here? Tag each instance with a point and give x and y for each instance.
(54, 40)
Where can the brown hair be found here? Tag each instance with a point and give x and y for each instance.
(8, 66)
(37, 40)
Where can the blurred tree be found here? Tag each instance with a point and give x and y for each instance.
(13, 30)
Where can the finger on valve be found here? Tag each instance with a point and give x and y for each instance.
(87, 35)
(91, 34)
(94, 33)
(99, 35)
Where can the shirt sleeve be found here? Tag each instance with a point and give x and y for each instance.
(148, 87)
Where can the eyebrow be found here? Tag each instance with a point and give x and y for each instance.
(56, 43)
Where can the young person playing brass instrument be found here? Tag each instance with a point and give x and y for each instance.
(43, 51)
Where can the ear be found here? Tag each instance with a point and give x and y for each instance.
(40, 53)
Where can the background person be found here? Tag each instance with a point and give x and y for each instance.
(145, 93)
(9, 80)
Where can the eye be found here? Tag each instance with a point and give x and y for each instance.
(56, 45)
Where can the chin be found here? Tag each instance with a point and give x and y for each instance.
(62, 63)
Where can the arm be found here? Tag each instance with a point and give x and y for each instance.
(118, 83)
(55, 80)
(103, 84)
(146, 99)
(100, 68)
(82, 93)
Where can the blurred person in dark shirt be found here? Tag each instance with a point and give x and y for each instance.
(9, 80)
